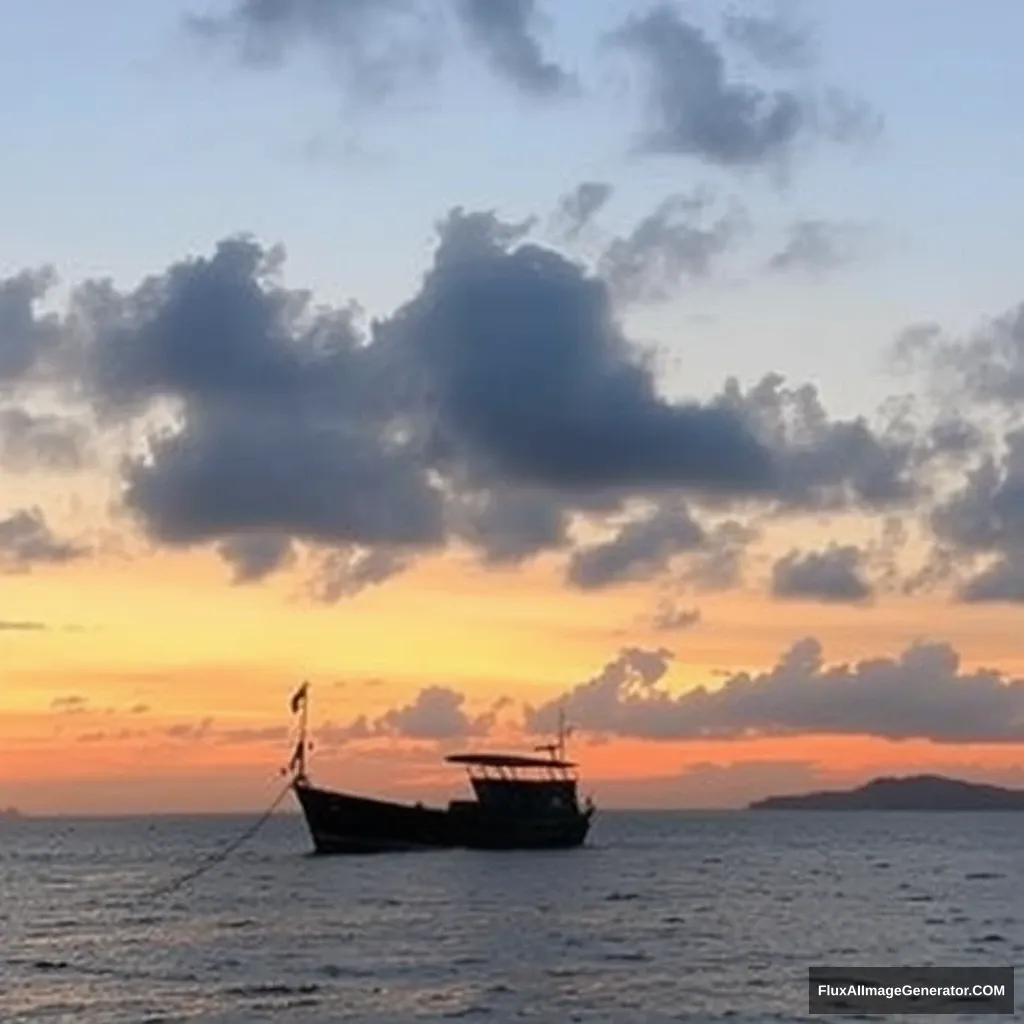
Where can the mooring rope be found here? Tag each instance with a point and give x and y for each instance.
(222, 855)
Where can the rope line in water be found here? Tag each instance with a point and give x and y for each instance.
(222, 855)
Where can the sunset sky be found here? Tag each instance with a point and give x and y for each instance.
(472, 359)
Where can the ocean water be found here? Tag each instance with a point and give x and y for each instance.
(676, 916)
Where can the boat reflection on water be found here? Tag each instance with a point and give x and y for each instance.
(521, 803)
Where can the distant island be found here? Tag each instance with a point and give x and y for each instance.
(914, 793)
(10, 814)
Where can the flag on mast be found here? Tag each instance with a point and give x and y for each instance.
(299, 698)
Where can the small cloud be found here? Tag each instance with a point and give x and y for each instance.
(505, 31)
(190, 730)
(73, 704)
(835, 575)
(814, 247)
(670, 618)
(674, 244)
(22, 626)
(254, 557)
(26, 540)
(578, 208)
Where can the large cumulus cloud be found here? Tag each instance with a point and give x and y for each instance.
(501, 407)
(921, 694)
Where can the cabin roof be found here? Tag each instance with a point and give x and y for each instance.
(507, 761)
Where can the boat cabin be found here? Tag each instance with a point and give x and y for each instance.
(517, 784)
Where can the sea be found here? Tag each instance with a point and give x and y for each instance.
(662, 917)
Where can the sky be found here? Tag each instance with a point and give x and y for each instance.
(657, 362)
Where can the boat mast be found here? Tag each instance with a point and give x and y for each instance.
(300, 706)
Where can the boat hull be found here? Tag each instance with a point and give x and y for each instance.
(345, 823)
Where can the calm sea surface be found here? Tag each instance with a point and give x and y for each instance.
(700, 917)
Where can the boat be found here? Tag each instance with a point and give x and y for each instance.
(521, 802)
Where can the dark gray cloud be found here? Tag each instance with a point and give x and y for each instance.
(973, 387)
(506, 31)
(983, 521)
(814, 247)
(834, 575)
(255, 556)
(533, 380)
(698, 109)
(27, 339)
(27, 540)
(675, 243)
(579, 207)
(825, 463)
(283, 429)
(509, 525)
(641, 550)
(372, 47)
(1002, 581)
(495, 407)
(922, 694)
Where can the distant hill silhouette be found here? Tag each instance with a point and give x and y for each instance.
(10, 814)
(914, 793)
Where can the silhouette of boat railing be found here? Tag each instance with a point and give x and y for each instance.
(520, 802)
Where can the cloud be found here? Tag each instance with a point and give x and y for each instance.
(27, 340)
(983, 519)
(532, 379)
(695, 110)
(436, 713)
(499, 408)
(346, 572)
(509, 525)
(73, 704)
(578, 208)
(641, 550)
(669, 617)
(718, 565)
(824, 463)
(1000, 581)
(256, 556)
(280, 431)
(26, 540)
(698, 110)
(375, 48)
(669, 246)
(200, 730)
(505, 31)
(372, 47)
(814, 247)
(834, 575)
(31, 441)
(22, 626)
(987, 365)
(921, 694)
(776, 40)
